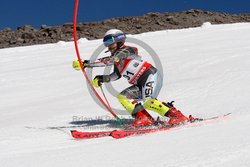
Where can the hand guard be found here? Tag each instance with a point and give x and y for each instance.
(76, 64)
(97, 81)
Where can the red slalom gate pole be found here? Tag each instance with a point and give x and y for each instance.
(83, 70)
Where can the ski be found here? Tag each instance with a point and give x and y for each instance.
(118, 134)
(89, 135)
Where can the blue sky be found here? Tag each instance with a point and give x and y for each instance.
(17, 13)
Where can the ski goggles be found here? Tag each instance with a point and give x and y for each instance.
(109, 39)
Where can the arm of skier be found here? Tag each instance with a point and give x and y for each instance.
(99, 79)
(87, 64)
(128, 53)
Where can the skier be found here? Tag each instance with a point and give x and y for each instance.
(143, 76)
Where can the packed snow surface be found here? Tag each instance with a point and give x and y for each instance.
(206, 71)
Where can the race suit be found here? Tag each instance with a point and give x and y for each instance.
(145, 79)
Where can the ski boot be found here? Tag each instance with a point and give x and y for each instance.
(176, 117)
(142, 117)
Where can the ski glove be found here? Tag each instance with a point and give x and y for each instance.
(76, 64)
(97, 81)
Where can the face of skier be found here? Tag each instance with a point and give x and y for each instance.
(112, 48)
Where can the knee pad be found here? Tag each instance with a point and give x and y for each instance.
(156, 106)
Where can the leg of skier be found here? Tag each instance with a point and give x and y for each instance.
(150, 90)
(130, 99)
(147, 91)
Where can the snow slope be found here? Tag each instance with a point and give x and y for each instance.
(206, 71)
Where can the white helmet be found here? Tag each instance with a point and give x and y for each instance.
(112, 36)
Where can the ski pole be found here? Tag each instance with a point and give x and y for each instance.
(118, 119)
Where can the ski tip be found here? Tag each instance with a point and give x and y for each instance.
(72, 131)
(74, 134)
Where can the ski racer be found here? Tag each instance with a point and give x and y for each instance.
(144, 78)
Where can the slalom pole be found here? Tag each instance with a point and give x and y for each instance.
(82, 68)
